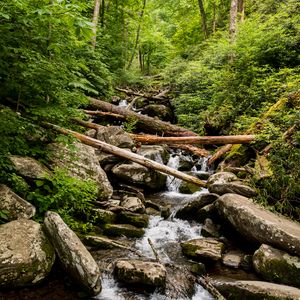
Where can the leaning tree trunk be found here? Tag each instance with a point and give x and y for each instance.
(130, 156)
(146, 123)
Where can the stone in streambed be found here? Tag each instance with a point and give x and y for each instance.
(259, 225)
(101, 242)
(123, 229)
(137, 220)
(26, 255)
(208, 211)
(210, 229)
(102, 216)
(221, 177)
(235, 187)
(141, 272)
(188, 188)
(133, 204)
(233, 259)
(14, 206)
(277, 266)
(75, 258)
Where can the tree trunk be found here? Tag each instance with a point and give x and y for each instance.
(129, 155)
(161, 96)
(146, 123)
(137, 35)
(241, 10)
(102, 6)
(95, 22)
(214, 20)
(233, 19)
(203, 18)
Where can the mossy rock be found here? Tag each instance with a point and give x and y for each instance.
(123, 229)
(188, 188)
(102, 216)
(138, 220)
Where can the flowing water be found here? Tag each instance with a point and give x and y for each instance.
(166, 235)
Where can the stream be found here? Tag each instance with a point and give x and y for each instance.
(166, 235)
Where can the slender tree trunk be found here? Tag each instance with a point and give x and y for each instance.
(233, 19)
(241, 10)
(137, 35)
(214, 22)
(95, 22)
(102, 13)
(203, 18)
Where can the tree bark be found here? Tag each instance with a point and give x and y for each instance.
(203, 18)
(95, 22)
(129, 155)
(146, 123)
(161, 96)
(233, 19)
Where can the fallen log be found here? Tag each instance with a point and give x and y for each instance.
(104, 114)
(161, 96)
(129, 155)
(146, 123)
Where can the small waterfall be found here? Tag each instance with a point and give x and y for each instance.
(173, 183)
(123, 103)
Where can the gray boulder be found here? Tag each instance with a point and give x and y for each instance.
(258, 224)
(210, 229)
(158, 110)
(102, 216)
(81, 163)
(141, 272)
(138, 220)
(277, 266)
(26, 255)
(75, 258)
(136, 174)
(205, 248)
(123, 230)
(15, 206)
(133, 204)
(251, 290)
(154, 152)
(221, 177)
(235, 187)
(233, 259)
(28, 167)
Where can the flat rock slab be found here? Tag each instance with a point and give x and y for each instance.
(141, 272)
(250, 290)
(138, 220)
(102, 216)
(233, 259)
(15, 206)
(26, 255)
(277, 266)
(75, 258)
(235, 187)
(206, 248)
(258, 224)
(123, 229)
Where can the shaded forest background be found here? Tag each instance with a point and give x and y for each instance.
(227, 63)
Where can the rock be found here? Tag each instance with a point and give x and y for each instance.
(165, 211)
(26, 255)
(188, 212)
(277, 266)
(250, 290)
(102, 216)
(134, 173)
(75, 258)
(221, 177)
(107, 159)
(188, 188)
(91, 133)
(205, 248)
(185, 163)
(101, 242)
(29, 168)
(115, 135)
(157, 110)
(210, 229)
(137, 220)
(141, 272)
(134, 204)
(208, 211)
(235, 187)
(152, 211)
(123, 229)
(81, 164)
(156, 153)
(258, 224)
(233, 259)
(14, 206)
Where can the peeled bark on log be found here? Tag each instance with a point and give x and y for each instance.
(129, 155)
(104, 114)
(146, 123)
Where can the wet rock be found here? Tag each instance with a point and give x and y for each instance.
(235, 187)
(208, 211)
(197, 268)
(75, 258)
(277, 266)
(233, 259)
(188, 188)
(82, 164)
(29, 168)
(115, 135)
(154, 152)
(123, 229)
(189, 211)
(205, 248)
(14, 206)
(185, 163)
(91, 133)
(107, 159)
(134, 204)
(153, 205)
(141, 272)
(250, 290)
(102, 216)
(221, 177)
(152, 212)
(101, 242)
(165, 211)
(258, 224)
(136, 174)
(137, 220)
(26, 255)
(210, 229)
(158, 110)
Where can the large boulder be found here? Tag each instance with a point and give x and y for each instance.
(81, 163)
(141, 272)
(157, 153)
(258, 224)
(14, 206)
(75, 258)
(29, 168)
(235, 187)
(114, 135)
(133, 204)
(138, 220)
(277, 266)
(250, 290)
(136, 174)
(123, 230)
(158, 110)
(221, 177)
(26, 255)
